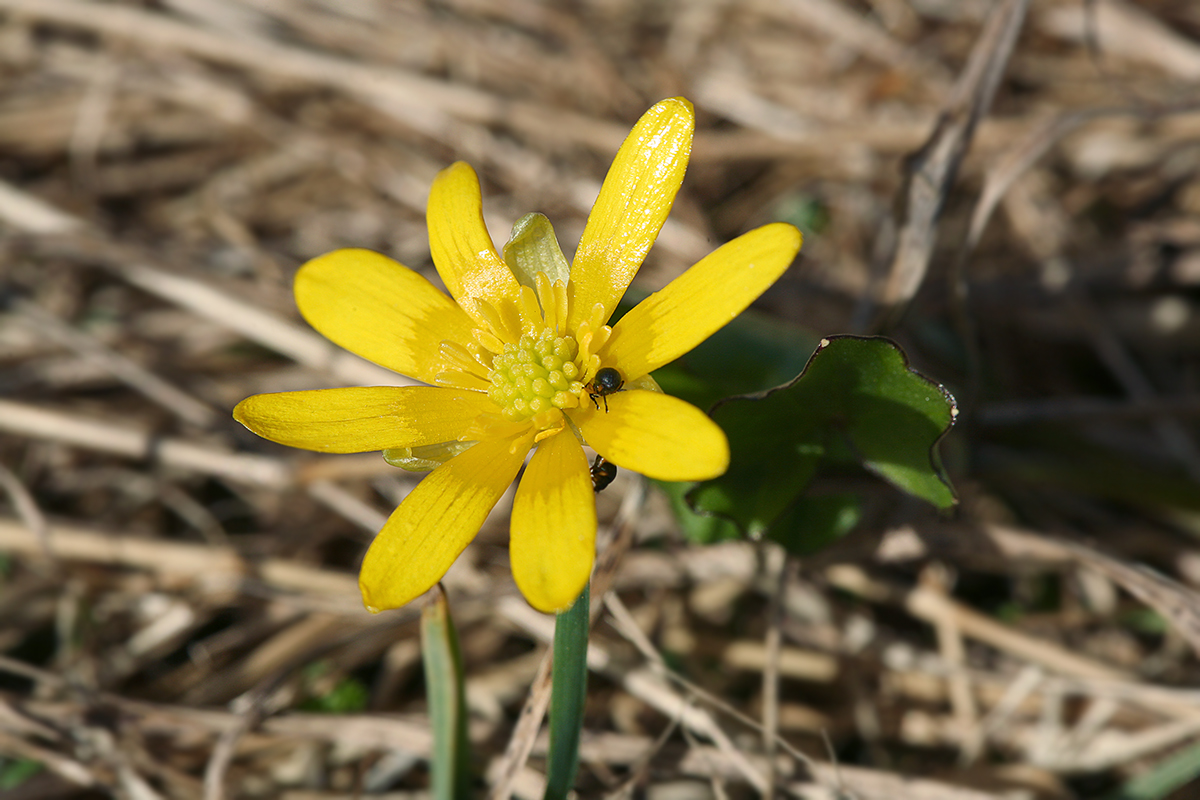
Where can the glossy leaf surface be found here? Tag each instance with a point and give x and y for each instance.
(857, 400)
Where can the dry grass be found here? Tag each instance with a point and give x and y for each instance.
(1015, 198)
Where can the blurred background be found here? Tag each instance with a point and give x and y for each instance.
(1009, 190)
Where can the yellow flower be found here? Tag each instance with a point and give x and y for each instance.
(510, 361)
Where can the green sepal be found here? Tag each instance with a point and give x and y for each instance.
(424, 457)
(533, 248)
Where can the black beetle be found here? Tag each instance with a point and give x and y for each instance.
(603, 473)
(607, 381)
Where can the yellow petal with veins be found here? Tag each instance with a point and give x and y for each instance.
(655, 434)
(633, 204)
(460, 244)
(362, 418)
(701, 301)
(553, 538)
(380, 310)
(437, 520)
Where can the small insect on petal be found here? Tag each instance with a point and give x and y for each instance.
(607, 381)
(603, 473)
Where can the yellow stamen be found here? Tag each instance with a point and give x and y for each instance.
(488, 341)
(531, 313)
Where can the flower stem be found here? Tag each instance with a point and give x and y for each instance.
(447, 702)
(568, 695)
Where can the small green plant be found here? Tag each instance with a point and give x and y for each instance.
(14, 772)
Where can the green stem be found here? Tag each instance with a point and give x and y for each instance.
(567, 697)
(1167, 776)
(447, 700)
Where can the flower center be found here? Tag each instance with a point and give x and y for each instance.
(537, 373)
(532, 356)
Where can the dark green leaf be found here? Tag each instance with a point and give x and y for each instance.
(856, 400)
(718, 367)
(697, 528)
(813, 523)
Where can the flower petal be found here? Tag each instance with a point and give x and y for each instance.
(380, 309)
(362, 418)
(459, 242)
(436, 521)
(701, 301)
(655, 434)
(633, 205)
(553, 538)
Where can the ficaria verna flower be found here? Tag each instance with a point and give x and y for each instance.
(510, 358)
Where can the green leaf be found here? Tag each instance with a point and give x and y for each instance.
(1164, 778)
(857, 401)
(718, 367)
(568, 694)
(697, 528)
(347, 696)
(813, 523)
(16, 772)
(447, 700)
(804, 211)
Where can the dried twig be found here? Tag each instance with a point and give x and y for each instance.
(932, 170)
